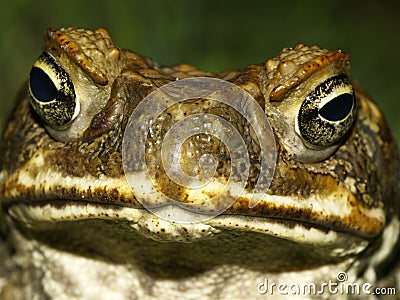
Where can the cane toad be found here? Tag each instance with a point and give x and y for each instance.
(73, 227)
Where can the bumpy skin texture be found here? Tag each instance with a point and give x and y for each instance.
(72, 227)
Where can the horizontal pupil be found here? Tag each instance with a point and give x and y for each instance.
(338, 108)
(42, 87)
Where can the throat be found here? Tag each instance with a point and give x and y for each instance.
(60, 272)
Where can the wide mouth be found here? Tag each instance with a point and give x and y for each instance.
(33, 195)
(292, 225)
(50, 204)
(125, 235)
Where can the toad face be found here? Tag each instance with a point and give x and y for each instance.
(74, 221)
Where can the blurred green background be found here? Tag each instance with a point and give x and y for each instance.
(215, 35)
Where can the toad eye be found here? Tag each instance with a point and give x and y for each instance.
(327, 113)
(52, 92)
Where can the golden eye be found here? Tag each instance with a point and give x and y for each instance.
(52, 92)
(327, 113)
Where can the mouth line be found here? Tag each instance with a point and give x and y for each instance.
(41, 219)
(71, 210)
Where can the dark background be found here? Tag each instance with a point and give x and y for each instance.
(215, 35)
